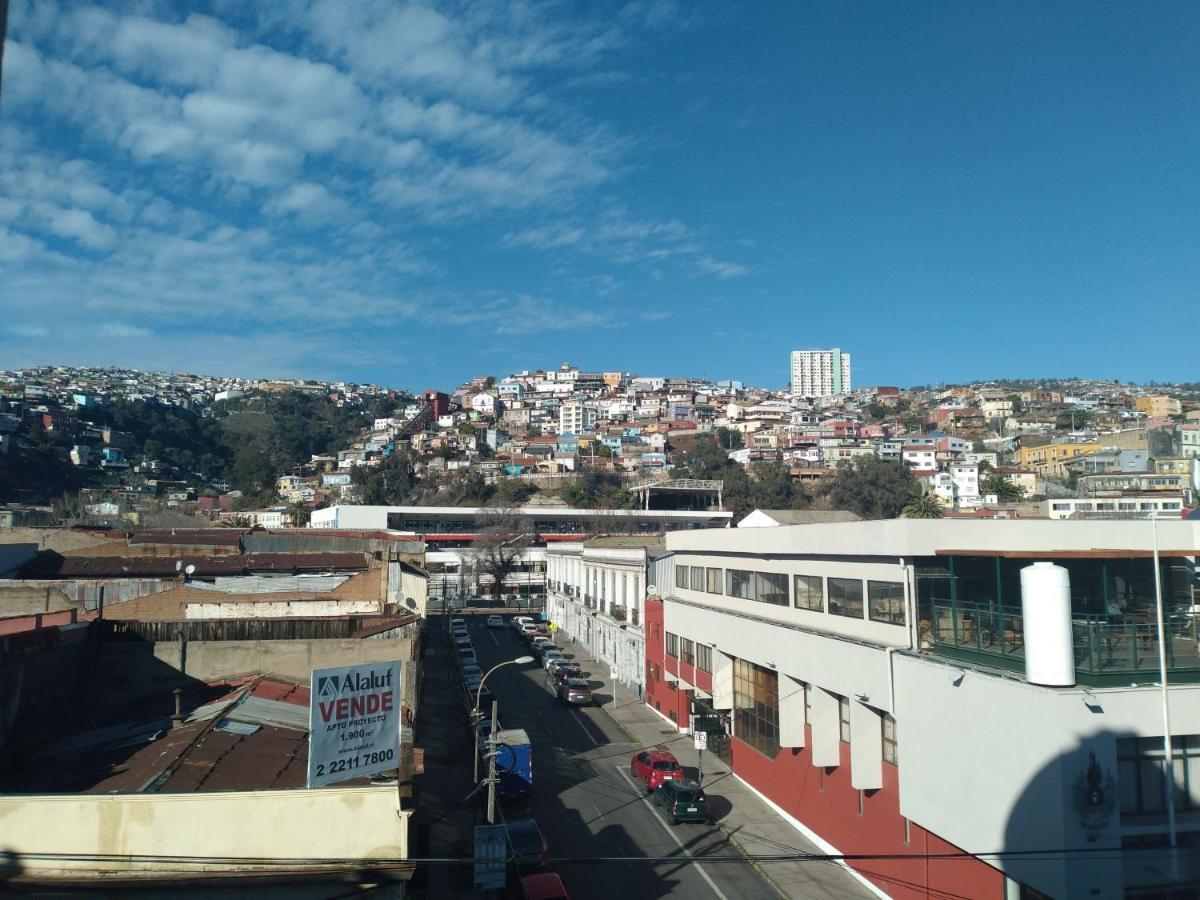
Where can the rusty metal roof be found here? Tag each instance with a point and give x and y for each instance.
(216, 537)
(384, 624)
(53, 565)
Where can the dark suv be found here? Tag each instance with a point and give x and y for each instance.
(574, 691)
(526, 844)
(684, 801)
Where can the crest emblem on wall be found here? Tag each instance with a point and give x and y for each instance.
(1095, 795)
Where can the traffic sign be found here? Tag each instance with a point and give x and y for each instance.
(614, 672)
(491, 854)
(701, 740)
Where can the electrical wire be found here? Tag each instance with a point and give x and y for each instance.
(1098, 853)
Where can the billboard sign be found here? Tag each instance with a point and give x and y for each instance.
(491, 857)
(354, 722)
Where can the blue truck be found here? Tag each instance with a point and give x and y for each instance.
(514, 764)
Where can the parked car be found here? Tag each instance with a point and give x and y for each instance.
(558, 666)
(543, 886)
(541, 644)
(517, 621)
(683, 801)
(470, 670)
(461, 640)
(550, 656)
(574, 692)
(653, 767)
(528, 630)
(495, 622)
(526, 844)
(466, 657)
(471, 694)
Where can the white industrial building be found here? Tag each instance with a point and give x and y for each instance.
(966, 708)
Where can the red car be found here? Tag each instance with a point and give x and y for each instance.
(653, 767)
(543, 886)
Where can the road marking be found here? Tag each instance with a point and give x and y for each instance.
(492, 635)
(667, 828)
(575, 718)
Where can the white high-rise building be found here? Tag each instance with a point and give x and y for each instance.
(576, 417)
(820, 373)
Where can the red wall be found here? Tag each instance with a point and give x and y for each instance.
(825, 801)
(660, 694)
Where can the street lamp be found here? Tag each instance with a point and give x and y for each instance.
(475, 714)
(491, 737)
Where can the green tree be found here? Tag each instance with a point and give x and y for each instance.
(923, 504)
(500, 545)
(772, 487)
(596, 489)
(729, 439)
(873, 488)
(391, 482)
(513, 491)
(1005, 490)
(299, 514)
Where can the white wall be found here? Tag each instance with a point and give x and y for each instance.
(56, 836)
(844, 667)
(855, 568)
(278, 609)
(991, 764)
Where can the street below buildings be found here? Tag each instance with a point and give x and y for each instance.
(605, 838)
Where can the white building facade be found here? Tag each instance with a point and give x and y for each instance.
(820, 373)
(906, 690)
(595, 595)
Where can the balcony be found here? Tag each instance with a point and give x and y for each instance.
(1108, 650)
(617, 613)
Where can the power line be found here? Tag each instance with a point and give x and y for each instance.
(1064, 853)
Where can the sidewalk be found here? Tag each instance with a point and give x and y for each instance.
(750, 824)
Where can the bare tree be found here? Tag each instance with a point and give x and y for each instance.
(504, 535)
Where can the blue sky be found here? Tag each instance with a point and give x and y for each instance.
(411, 195)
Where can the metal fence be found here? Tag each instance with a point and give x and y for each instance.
(1101, 647)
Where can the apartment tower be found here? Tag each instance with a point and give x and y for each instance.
(820, 373)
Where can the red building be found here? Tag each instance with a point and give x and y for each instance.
(438, 402)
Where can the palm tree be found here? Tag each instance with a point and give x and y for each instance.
(923, 504)
(1005, 490)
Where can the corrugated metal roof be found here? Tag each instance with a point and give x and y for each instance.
(255, 710)
(384, 625)
(52, 565)
(197, 537)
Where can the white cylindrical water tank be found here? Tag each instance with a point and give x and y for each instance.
(1046, 609)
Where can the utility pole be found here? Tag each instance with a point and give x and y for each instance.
(492, 744)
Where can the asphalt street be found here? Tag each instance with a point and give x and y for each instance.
(584, 799)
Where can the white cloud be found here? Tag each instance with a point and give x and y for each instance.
(322, 121)
(307, 200)
(123, 330)
(721, 268)
(624, 239)
(28, 331)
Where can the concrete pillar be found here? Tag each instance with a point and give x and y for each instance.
(826, 728)
(722, 680)
(791, 712)
(866, 747)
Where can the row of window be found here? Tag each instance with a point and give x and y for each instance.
(1142, 768)
(837, 596)
(691, 652)
(756, 712)
(1114, 507)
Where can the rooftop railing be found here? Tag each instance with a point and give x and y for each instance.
(1120, 649)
